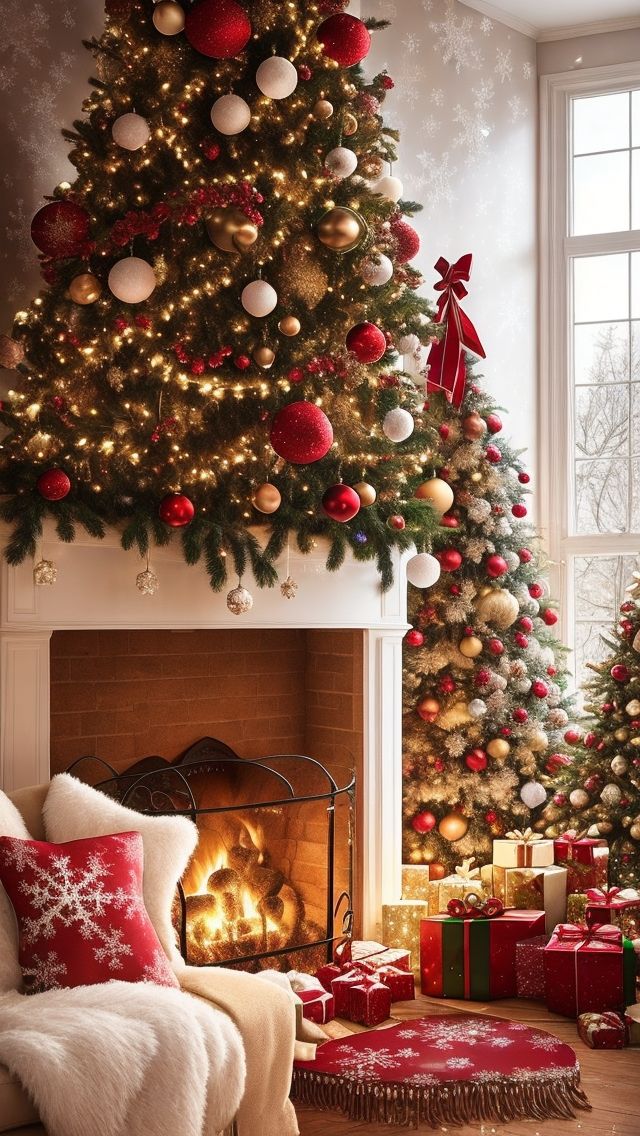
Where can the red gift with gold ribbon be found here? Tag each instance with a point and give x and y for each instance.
(586, 859)
(474, 958)
(588, 970)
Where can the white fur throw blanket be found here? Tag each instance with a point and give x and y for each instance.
(124, 1059)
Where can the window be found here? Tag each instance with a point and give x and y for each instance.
(590, 340)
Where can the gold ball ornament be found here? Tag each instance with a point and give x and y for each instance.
(341, 229)
(415, 856)
(322, 110)
(470, 646)
(633, 708)
(498, 607)
(264, 357)
(11, 353)
(634, 741)
(498, 748)
(266, 498)
(621, 735)
(438, 492)
(537, 740)
(453, 827)
(476, 476)
(239, 600)
(85, 288)
(473, 426)
(349, 124)
(634, 832)
(168, 18)
(230, 231)
(289, 325)
(366, 493)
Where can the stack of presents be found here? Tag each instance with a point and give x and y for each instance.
(539, 922)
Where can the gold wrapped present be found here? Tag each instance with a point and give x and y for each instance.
(401, 927)
(466, 880)
(524, 849)
(415, 881)
(530, 889)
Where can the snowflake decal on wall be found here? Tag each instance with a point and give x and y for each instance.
(456, 41)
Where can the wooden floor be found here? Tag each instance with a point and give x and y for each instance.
(610, 1078)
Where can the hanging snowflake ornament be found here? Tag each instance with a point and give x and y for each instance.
(45, 573)
(147, 582)
(288, 588)
(239, 600)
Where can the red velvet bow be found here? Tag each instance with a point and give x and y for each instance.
(578, 932)
(483, 909)
(598, 895)
(571, 836)
(446, 359)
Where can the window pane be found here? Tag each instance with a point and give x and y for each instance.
(635, 285)
(635, 189)
(635, 495)
(601, 496)
(601, 123)
(601, 193)
(601, 287)
(599, 589)
(602, 421)
(635, 132)
(601, 352)
(635, 351)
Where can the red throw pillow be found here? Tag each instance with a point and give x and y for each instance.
(80, 912)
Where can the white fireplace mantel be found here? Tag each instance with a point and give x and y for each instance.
(95, 589)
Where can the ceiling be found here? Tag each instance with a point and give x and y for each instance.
(537, 17)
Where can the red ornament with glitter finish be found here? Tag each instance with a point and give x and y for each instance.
(218, 29)
(301, 433)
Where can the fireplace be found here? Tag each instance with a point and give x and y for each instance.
(245, 899)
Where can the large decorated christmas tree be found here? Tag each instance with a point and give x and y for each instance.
(229, 294)
(484, 676)
(600, 790)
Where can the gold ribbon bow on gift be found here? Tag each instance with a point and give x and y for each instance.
(525, 837)
(465, 871)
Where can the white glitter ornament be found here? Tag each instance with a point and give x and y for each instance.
(477, 707)
(239, 600)
(341, 162)
(230, 114)
(377, 270)
(398, 425)
(578, 798)
(132, 280)
(45, 573)
(130, 131)
(288, 588)
(408, 344)
(259, 298)
(633, 708)
(389, 187)
(619, 765)
(276, 77)
(147, 582)
(611, 795)
(423, 570)
(533, 794)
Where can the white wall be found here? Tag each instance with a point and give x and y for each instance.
(588, 51)
(465, 102)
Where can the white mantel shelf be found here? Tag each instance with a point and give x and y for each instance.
(96, 589)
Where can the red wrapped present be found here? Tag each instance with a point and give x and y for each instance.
(474, 958)
(369, 1002)
(317, 1005)
(602, 1031)
(588, 970)
(341, 988)
(400, 982)
(371, 955)
(620, 907)
(326, 974)
(586, 859)
(530, 968)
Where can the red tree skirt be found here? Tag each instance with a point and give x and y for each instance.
(453, 1069)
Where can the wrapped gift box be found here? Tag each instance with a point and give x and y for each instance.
(530, 968)
(400, 982)
(620, 907)
(586, 859)
(474, 958)
(341, 989)
(523, 850)
(534, 889)
(632, 1022)
(375, 955)
(326, 974)
(416, 879)
(317, 1005)
(588, 970)
(369, 1002)
(602, 1031)
(401, 927)
(466, 879)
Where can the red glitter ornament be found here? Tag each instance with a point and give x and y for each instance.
(590, 740)
(341, 502)
(449, 559)
(53, 485)
(539, 688)
(560, 799)
(536, 591)
(438, 765)
(176, 510)
(455, 590)
(519, 510)
(367, 342)
(304, 73)
(496, 566)
(620, 673)
(60, 228)
(218, 29)
(551, 670)
(444, 431)
(496, 646)
(446, 684)
(521, 640)
(242, 362)
(525, 624)
(387, 82)
(344, 38)
(295, 375)
(525, 555)
(520, 714)
(407, 241)
(423, 822)
(482, 677)
(524, 478)
(506, 731)
(550, 616)
(494, 423)
(491, 816)
(210, 148)
(396, 522)
(301, 433)
(414, 638)
(493, 454)
(476, 760)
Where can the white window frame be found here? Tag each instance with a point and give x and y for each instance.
(555, 394)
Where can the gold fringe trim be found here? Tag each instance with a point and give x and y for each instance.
(449, 1102)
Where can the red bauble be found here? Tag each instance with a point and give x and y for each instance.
(367, 342)
(301, 433)
(396, 522)
(242, 362)
(449, 522)
(446, 684)
(524, 478)
(176, 510)
(550, 616)
(491, 816)
(525, 624)
(572, 736)
(521, 640)
(53, 485)
(590, 740)
(620, 673)
(482, 677)
(444, 431)
(560, 798)
(406, 240)
(476, 760)
(551, 670)
(304, 73)
(454, 590)
(539, 688)
(423, 822)
(439, 765)
(627, 606)
(450, 559)
(496, 566)
(493, 454)
(60, 228)
(536, 591)
(506, 731)
(496, 646)
(520, 714)
(494, 424)
(519, 510)
(414, 638)
(525, 555)
(344, 38)
(341, 502)
(210, 148)
(218, 29)
(626, 628)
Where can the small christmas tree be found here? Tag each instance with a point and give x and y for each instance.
(484, 676)
(600, 790)
(229, 290)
